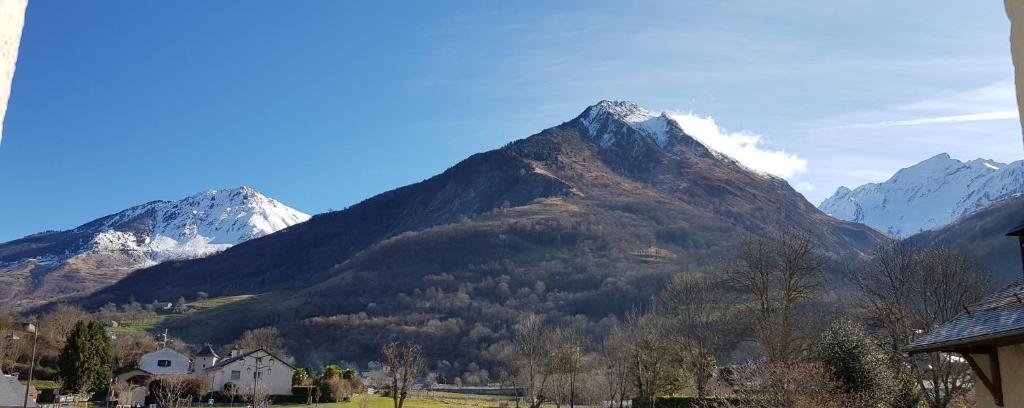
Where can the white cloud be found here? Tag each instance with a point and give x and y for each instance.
(804, 187)
(972, 117)
(745, 147)
(995, 101)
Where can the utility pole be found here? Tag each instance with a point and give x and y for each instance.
(32, 363)
(257, 373)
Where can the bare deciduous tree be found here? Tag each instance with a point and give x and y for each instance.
(267, 338)
(341, 389)
(128, 347)
(614, 369)
(780, 270)
(650, 357)
(56, 325)
(406, 364)
(169, 391)
(696, 310)
(530, 359)
(792, 385)
(9, 346)
(567, 358)
(908, 291)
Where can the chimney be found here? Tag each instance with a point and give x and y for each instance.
(235, 352)
(1018, 232)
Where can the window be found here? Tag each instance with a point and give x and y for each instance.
(236, 375)
(163, 363)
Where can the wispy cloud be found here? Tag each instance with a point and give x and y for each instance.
(972, 117)
(746, 147)
(869, 146)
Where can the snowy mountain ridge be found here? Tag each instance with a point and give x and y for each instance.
(597, 118)
(59, 263)
(193, 227)
(928, 195)
(626, 125)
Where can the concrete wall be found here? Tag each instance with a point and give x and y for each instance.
(1011, 364)
(12, 20)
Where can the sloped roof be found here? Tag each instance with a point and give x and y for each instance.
(12, 392)
(220, 364)
(207, 352)
(997, 319)
(1017, 230)
(164, 353)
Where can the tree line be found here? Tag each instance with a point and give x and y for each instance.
(760, 334)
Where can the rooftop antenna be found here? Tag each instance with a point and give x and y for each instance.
(164, 339)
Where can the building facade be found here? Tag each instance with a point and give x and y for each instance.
(259, 370)
(165, 362)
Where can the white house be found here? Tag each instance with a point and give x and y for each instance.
(258, 368)
(131, 387)
(205, 358)
(165, 362)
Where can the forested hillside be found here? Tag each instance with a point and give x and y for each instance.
(579, 223)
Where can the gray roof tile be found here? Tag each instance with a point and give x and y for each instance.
(998, 315)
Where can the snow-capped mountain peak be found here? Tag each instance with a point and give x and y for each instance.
(927, 195)
(605, 120)
(104, 250)
(196, 226)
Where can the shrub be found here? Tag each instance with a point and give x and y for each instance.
(693, 402)
(854, 358)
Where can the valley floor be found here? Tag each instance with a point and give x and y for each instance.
(425, 400)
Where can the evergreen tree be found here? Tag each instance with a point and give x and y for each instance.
(86, 358)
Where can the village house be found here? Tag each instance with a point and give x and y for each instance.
(246, 371)
(165, 362)
(990, 336)
(259, 368)
(130, 387)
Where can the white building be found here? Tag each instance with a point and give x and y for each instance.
(205, 358)
(165, 362)
(258, 368)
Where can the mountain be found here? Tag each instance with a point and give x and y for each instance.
(982, 235)
(927, 195)
(579, 222)
(55, 264)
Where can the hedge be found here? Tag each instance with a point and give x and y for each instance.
(689, 402)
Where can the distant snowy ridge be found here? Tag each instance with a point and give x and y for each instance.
(927, 195)
(206, 223)
(193, 227)
(51, 265)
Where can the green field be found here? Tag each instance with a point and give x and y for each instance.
(151, 324)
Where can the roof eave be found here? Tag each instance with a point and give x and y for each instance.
(988, 340)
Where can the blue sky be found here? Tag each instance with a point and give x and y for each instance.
(322, 104)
